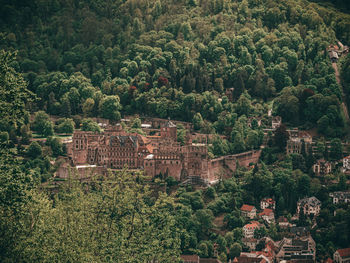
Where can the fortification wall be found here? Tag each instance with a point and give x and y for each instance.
(222, 166)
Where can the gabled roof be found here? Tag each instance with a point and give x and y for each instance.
(311, 201)
(253, 224)
(266, 211)
(282, 219)
(344, 252)
(268, 200)
(247, 208)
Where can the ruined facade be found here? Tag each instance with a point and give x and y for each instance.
(158, 154)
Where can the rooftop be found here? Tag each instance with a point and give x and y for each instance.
(311, 201)
(266, 211)
(344, 252)
(268, 200)
(247, 208)
(253, 224)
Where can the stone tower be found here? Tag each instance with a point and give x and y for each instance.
(169, 130)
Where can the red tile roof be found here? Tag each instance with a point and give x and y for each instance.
(269, 200)
(329, 260)
(344, 252)
(253, 224)
(282, 219)
(267, 211)
(247, 208)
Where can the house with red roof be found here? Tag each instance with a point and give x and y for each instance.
(283, 222)
(248, 211)
(267, 203)
(250, 242)
(249, 229)
(267, 215)
(342, 255)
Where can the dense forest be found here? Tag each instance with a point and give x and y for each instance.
(178, 58)
(214, 63)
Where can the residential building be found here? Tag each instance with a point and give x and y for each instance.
(300, 230)
(249, 229)
(267, 215)
(248, 211)
(296, 141)
(250, 242)
(322, 167)
(340, 197)
(296, 250)
(267, 203)
(342, 255)
(333, 55)
(346, 163)
(283, 222)
(309, 206)
(276, 122)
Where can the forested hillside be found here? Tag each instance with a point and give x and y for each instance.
(221, 65)
(178, 58)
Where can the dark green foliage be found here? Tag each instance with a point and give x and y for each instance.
(109, 108)
(171, 68)
(34, 150)
(281, 137)
(55, 145)
(4, 137)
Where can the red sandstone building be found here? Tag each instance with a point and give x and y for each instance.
(157, 154)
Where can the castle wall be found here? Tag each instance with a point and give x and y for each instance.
(80, 172)
(115, 149)
(227, 164)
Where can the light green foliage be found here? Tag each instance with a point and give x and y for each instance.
(112, 222)
(136, 123)
(181, 134)
(42, 124)
(65, 126)
(197, 121)
(90, 125)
